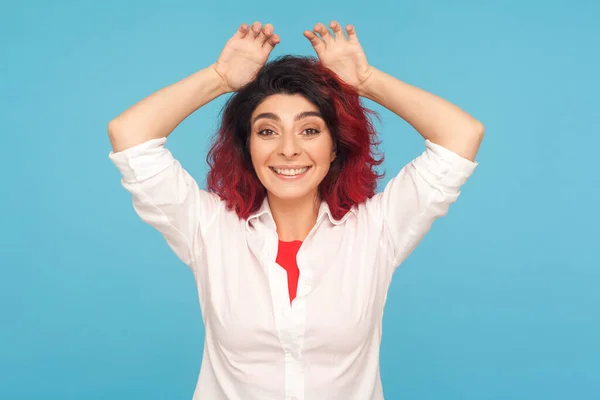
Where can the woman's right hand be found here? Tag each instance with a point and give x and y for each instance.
(244, 54)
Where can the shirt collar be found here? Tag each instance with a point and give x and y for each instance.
(265, 211)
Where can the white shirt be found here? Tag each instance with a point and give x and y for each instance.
(324, 346)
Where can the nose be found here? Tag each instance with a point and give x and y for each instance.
(289, 146)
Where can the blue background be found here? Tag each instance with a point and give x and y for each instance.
(500, 301)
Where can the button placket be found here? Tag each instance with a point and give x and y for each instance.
(305, 281)
(290, 320)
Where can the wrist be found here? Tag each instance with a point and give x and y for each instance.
(220, 82)
(366, 87)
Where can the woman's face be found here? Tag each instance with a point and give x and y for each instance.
(290, 146)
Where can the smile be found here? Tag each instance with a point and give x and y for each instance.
(290, 172)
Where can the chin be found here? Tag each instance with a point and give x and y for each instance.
(291, 194)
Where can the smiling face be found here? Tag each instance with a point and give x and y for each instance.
(290, 146)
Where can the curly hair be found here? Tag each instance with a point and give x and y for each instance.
(352, 177)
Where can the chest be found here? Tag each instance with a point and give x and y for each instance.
(341, 290)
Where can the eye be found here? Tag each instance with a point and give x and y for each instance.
(265, 132)
(311, 131)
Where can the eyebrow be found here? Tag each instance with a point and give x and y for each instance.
(298, 117)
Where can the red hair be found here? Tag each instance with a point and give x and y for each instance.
(352, 178)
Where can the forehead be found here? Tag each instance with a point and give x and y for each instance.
(285, 104)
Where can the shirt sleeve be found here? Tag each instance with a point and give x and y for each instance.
(421, 192)
(166, 196)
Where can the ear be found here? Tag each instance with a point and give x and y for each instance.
(333, 156)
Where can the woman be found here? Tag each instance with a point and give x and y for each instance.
(291, 249)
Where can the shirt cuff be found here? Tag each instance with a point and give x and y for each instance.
(448, 166)
(143, 161)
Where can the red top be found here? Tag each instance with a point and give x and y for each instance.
(286, 257)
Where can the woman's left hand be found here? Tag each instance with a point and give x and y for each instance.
(343, 56)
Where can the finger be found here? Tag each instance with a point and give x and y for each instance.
(241, 32)
(254, 30)
(338, 32)
(315, 40)
(351, 33)
(265, 33)
(324, 32)
(271, 42)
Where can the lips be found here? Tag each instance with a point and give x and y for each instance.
(290, 171)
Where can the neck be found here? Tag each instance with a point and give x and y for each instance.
(294, 218)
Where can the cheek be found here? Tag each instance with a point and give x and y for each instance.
(260, 152)
(255, 151)
(321, 153)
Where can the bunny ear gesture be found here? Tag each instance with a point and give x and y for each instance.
(344, 56)
(245, 53)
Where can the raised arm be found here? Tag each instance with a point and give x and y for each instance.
(424, 189)
(433, 117)
(159, 114)
(164, 194)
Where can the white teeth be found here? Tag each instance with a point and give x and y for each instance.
(291, 172)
